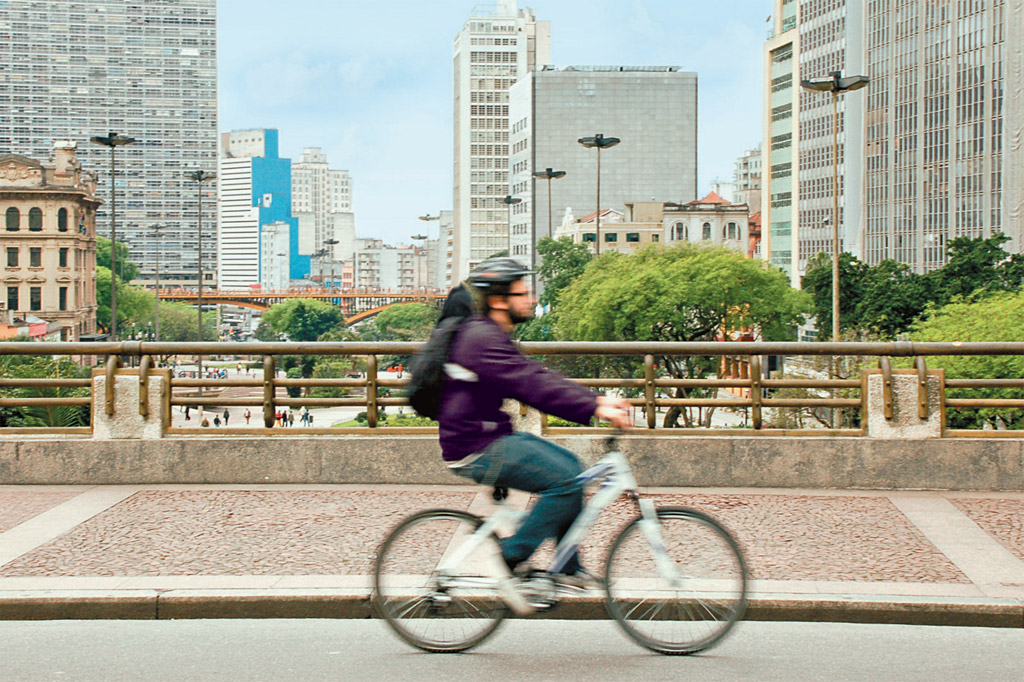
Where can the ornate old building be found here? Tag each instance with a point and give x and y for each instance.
(48, 241)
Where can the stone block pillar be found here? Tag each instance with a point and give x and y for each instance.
(906, 422)
(126, 421)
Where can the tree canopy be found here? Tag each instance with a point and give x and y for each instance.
(302, 319)
(562, 262)
(127, 270)
(406, 322)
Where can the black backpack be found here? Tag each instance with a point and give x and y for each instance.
(427, 368)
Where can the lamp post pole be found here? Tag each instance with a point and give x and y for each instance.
(156, 227)
(200, 176)
(508, 200)
(330, 244)
(113, 140)
(600, 142)
(549, 175)
(432, 276)
(836, 84)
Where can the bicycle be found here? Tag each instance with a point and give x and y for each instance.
(675, 579)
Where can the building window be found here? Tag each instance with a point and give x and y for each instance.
(611, 236)
(62, 260)
(35, 257)
(733, 231)
(632, 236)
(589, 237)
(655, 237)
(12, 298)
(681, 233)
(62, 220)
(35, 220)
(62, 298)
(13, 219)
(12, 256)
(706, 236)
(35, 298)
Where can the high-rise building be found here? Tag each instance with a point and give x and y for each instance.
(498, 46)
(71, 70)
(255, 190)
(651, 109)
(925, 151)
(747, 178)
(319, 195)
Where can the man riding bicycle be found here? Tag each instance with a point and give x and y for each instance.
(477, 440)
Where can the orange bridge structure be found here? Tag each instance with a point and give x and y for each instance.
(356, 304)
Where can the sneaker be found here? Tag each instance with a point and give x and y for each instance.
(582, 579)
(507, 585)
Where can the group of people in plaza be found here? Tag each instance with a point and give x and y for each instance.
(287, 417)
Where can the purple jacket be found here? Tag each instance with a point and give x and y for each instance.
(471, 416)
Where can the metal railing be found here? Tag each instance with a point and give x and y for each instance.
(756, 393)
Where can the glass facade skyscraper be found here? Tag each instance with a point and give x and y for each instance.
(70, 70)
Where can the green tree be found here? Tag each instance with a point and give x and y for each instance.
(127, 270)
(562, 262)
(407, 322)
(817, 281)
(43, 367)
(973, 265)
(178, 323)
(684, 293)
(892, 298)
(302, 319)
(999, 317)
(134, 304)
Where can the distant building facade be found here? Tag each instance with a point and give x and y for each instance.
(652, 110)
(49, 244)
(322, 203)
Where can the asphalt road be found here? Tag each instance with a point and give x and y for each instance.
(307, 650)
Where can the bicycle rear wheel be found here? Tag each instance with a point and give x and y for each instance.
(437, 612)
(688, 613)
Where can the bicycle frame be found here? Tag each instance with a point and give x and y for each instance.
(616, 477)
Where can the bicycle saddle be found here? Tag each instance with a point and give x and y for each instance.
(499, 493)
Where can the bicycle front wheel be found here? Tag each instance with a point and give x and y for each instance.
(427, 600)
(684, 597)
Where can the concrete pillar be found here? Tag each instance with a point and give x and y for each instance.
(906, 422)
(126, 422)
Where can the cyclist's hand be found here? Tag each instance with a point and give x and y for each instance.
(613, 410)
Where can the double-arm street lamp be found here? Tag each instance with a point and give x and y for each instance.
(330, 244)
(549, 175)
(113, 140)
(600, 142)
(508, 200)
(200, 176)
(157, 227)
(836, 84)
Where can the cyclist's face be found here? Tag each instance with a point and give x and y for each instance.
(521, 302)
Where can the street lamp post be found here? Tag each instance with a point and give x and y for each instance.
(432, 276)
(330, 244)
(549, 175)
(836, 84)
(600, 142)
(508, 200)
(113, 140)
(156, 227)
(200, 176)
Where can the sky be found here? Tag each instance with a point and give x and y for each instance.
(370, 83)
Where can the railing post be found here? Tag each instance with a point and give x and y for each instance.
(269, 372)
(113, 363)
(922, 388)
(755, 391)
(652, 418)
(887, 399)
(371, 391)
(144, 366)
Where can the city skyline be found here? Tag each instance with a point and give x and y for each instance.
(381, 109)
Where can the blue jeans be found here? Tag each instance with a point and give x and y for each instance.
(525, 462)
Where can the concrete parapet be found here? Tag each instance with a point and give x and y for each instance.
(659, 460)
(905, 422)
(126, 422)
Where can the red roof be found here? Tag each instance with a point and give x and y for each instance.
(593, 216)
(711, 198)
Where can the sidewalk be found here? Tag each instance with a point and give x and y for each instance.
(306, 551)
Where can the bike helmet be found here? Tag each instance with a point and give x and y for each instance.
(495, 273)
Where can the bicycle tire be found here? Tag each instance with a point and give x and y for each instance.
(701, 607)
(440, 614)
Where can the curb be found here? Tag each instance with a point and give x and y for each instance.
(199, 604)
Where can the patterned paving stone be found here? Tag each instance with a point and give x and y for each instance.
(232, 532)
(18, 506)
(1002, 519)
(804, 537)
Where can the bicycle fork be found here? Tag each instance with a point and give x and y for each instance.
(651, 527)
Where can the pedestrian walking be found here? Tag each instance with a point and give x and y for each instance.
(216, 420)
(206, 422)
(310, 418)
(247, 415)
(226, 415)
(291, 418)
(277, 416)
(187, 417)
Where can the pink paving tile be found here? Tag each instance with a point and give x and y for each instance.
(18, 506)
(804, 537)
(232, 532)
(1002, 519)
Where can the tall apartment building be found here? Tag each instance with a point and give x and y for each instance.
(255, 190)
(71, 70)
(49, 243)
(651, 109)
(747, 178)
(498, 46)
(319, 195)
(926, 151)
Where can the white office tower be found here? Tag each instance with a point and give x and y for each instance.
(274, 241)
(651, 109)
(747, 178)
(497, 46)
(318, 193)
(71, 70)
